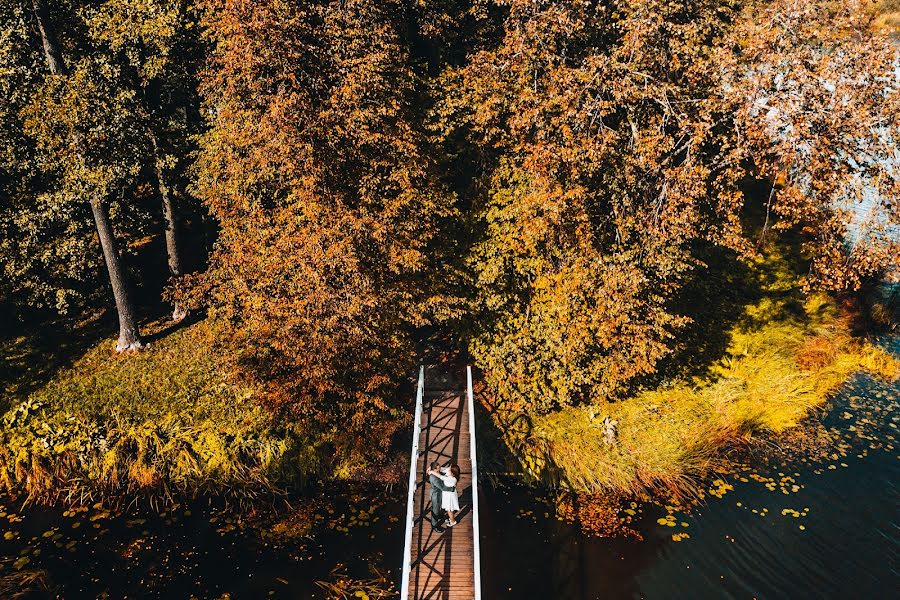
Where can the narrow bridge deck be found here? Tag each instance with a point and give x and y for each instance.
(443, 564)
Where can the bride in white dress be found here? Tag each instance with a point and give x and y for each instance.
(449, 500)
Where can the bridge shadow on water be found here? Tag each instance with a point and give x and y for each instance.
(544, 557)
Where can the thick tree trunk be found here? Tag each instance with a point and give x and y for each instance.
(48, 37)
(129, 337)
(173, 250)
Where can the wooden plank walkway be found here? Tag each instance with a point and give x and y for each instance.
(443, 564)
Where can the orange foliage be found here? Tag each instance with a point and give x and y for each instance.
(816, 353)
(817, 85)
(330, 217)
(596, 515)
(614, 158)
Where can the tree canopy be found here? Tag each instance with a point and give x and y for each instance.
(541, 178)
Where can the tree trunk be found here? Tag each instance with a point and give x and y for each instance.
(48, 37)
(173, 250)
(129, 337)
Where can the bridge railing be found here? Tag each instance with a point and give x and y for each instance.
(413, 486)
(410, 499)
(476, 557)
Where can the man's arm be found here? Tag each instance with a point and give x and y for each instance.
(436, 483)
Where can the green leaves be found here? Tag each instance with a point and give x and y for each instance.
(86, 127)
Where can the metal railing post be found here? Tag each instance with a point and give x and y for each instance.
(476, 559)
(410, 499)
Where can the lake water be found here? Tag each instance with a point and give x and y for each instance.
(799, 528)
(808, 529)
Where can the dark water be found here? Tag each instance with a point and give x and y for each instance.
(821, 529)
(197, 551)
(811, 528)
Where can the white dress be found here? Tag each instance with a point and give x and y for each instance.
(449, 500)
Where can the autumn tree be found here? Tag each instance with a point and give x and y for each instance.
(48, 260)
(331, 223)
(819, 94)
(613, 155)
(82, 123)
(156, 43)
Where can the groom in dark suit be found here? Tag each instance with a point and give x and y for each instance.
(437, 486)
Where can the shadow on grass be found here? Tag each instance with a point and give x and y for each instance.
(162, 328)
(33, 351)
(716, 300)
(498, 432)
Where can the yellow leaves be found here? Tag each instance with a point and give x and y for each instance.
(145, 30)
(720, 488)
(85, 125)
(595, 514)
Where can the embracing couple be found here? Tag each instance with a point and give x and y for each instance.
(444, 497)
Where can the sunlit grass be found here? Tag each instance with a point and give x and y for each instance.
(172, 419)
(887, 16)
(779, 366)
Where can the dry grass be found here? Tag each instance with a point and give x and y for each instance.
(17, 582)
(887, 17)
(343, 587)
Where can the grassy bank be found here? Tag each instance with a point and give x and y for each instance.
(173, 419)
(785, 354)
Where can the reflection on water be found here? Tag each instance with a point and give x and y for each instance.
(823, 528)
(197, 551)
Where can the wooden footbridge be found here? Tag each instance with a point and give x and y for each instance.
(442, 565)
